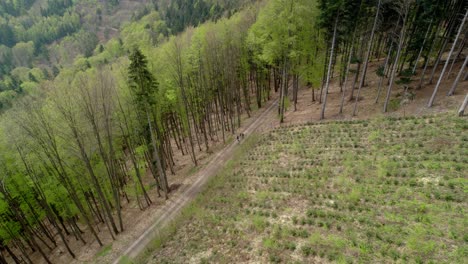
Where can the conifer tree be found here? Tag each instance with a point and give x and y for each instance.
(144, 87)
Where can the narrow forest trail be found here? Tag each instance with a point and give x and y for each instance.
(188, 193)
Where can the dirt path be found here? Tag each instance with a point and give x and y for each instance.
(175, 204)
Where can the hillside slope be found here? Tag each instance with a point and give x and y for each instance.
(40, 37)
(384, 190)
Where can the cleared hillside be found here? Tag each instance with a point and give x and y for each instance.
(385, 190)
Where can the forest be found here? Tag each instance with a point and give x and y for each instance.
(92, 121)
(39, 37)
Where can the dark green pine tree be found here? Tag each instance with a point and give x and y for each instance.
(144, 87)
(141, 81)
(7, 36)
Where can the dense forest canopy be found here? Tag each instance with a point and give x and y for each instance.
(46, 35)
(92, 112)
(30, 33)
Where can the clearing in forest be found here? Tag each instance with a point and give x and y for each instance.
(378, 191)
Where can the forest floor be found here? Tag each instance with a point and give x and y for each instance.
(308, 111)
(188, 179)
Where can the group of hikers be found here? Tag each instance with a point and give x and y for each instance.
(240, 137)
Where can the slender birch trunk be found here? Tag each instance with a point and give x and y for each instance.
(395, 64)
(436, 88)
(457, 80)
(366, 60)
(327, 84)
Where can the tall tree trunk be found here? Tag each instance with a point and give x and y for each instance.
(426, 65)
(295, 90)
(368, 53)
(462, 47)
(387, 60)
(436, 88)
(284, 89)
(327, 84)
(356, 77)
(95, 180)
(323, 82)
(347, 74)
(461, 111)
(457, 80)
(21, 218)
(38, 127)
(366, 60)
(13, 256)
(395, 64)
(441, 51)
(41, 199)
(422, 48)
(161, 172)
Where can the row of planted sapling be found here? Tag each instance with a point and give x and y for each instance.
(346, 191)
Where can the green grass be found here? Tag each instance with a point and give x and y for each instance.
(104, 251)
(389, 190)
(125, 260)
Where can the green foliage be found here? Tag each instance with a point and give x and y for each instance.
(15, 7)
(104, 251)
(56, 7)
(141, 81)
(50, 112)
(285, 31)
(259, 223)
(405, 77)
(23, 53)
(125, 259)
(182, 13)
(147, 32)
(380, 71)
(213, 65)
(347, 11)
(7, 35)
(54, 33)
(7, 97)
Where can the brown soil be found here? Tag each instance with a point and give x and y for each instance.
(308, 111)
